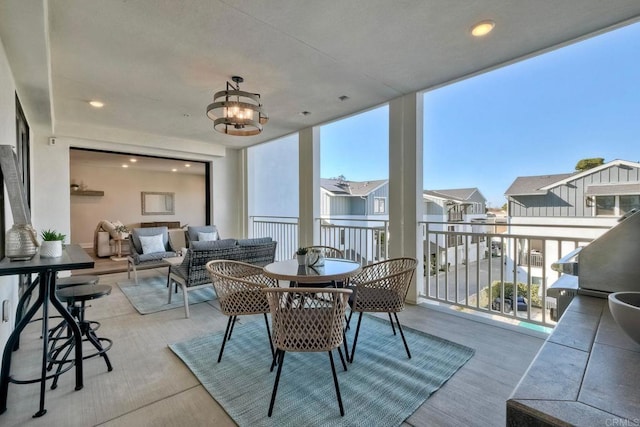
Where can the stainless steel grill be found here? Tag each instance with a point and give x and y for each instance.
(610, 263)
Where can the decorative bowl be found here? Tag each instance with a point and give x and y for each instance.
(625, 309)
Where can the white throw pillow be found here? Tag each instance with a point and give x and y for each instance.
(207, 237)
(152, 244)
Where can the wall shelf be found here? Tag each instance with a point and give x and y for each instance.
(87, 193)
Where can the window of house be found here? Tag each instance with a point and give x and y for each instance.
(605, 205)
(629, 202)
(379, 205)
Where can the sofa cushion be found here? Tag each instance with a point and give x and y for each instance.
(213, 244)
(152, 244)
(254, 242)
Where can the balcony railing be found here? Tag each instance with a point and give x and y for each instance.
(282, 229)
(473, 269)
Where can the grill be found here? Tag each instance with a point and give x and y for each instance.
(610, 263)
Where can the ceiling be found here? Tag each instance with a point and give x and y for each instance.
(134, 162)
(156, 63)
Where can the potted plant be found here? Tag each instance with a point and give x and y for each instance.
(301, 254)
(123, 231)
(51, 244)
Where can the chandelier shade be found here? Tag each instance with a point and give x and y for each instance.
(236, 112)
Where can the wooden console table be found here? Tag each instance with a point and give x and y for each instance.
(73, 257)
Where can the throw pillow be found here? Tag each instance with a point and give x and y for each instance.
(152, 244)
(207, 237)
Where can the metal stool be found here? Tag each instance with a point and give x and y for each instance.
(84, 279)
(65, 282)
(75, 297)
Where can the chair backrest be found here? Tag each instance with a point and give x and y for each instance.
(150, 231)
(192, 232)
(383, 286)
(238, 286)
(329, 251)
(307, 319)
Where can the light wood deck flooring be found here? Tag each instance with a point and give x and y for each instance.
(150, 386)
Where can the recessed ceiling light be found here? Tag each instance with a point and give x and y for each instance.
(133, 160)
(174, 170)
(305, 113)
(125, 166)
(187, 165)
(96, 104)
(343, 98)
(482, 28)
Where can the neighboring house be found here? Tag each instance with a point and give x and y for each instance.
(350, 212)
(595, 197)
(463, 205)
(351, 209)
(339, 197)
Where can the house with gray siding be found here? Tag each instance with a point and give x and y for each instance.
(339, 197)
(351, 209)
(595, 197)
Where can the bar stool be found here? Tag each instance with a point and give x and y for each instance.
(83, 279)
(75, 297)
(61, 283)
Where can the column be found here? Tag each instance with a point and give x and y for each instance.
(405, 183)
(309, 173)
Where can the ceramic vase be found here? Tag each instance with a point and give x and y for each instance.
(21, 243)
(51, 249)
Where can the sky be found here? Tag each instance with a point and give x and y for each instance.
(537, 117)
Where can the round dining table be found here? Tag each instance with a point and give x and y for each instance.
(333, 271)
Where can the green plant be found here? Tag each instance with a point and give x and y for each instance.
(122, 229)
(496, 288)
(52, 235)
(301, 251)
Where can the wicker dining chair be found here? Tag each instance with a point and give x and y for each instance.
(329, 251)
(307, 320)
(238, 286)
(381, 287)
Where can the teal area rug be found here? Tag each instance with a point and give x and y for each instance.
(150, 295)
(381, 388)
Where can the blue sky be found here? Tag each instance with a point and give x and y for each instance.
(536, 117)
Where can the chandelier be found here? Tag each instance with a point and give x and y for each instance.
(236, 112)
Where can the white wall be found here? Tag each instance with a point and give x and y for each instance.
(273, 178)
(8, 284)
(122, 198)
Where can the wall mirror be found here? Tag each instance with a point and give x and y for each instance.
(157, 203)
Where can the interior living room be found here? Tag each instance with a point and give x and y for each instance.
(111, 187)
(136, 79)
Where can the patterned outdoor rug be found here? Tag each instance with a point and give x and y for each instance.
(150, 295)
(381, 388)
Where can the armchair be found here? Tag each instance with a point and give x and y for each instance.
(200, 233)
(148, 247)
